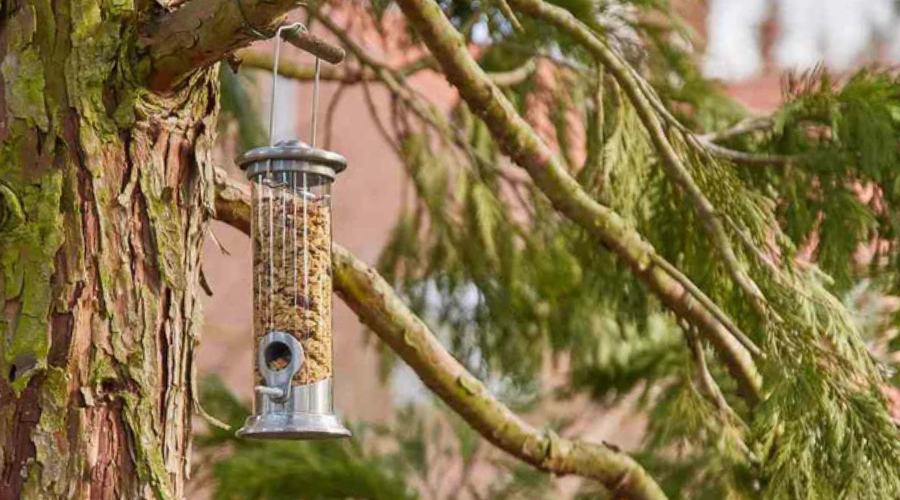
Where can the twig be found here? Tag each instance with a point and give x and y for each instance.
(743, 127)
(379, 125)
(510, 15)
(514, 76)
(219, 245)
(710, 387)
(422, 108)
(709, 304)
(742, 157)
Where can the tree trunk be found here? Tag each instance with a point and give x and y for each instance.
(99, 278)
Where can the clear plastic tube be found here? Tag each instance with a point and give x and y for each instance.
(292, 265)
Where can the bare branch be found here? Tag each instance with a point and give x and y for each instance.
(378, 307)
(514, 76)
(341, 73)
(518, 140)
(264, 60)
(742, 157)
(743, 127)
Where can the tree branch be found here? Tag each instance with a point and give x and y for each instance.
(341, 73)
(743, 157)
(743, 127)
(373, 300)
(378, 307)
(648, 109)
(396, 83)
(203, 32)
(518, 140)
(264, 60)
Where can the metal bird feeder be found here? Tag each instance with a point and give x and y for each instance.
(291, 234)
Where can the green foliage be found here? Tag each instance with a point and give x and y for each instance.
(844, 191)
(513, 287)
(275, 470)
(406, 459)
(543, 285)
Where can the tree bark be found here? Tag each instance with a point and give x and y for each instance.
(99, 279)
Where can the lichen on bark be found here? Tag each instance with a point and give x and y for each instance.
(98, 276)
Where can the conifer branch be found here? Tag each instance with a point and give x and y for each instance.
(743, 127)
(517, 139)
(704, 376)
(743, 157)
(378, 307)
(650, 110)
(424, 109)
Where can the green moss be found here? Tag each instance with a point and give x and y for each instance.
(11, 214)
(102, 370)
(50, 434)
(27, 262)
(23, 74)
(151, 466)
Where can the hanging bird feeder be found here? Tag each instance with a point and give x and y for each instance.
(291, 234)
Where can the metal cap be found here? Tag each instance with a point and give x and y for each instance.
(291, 156)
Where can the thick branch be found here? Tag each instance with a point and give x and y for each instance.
(379, 308)
(518, 140)
(203, 32)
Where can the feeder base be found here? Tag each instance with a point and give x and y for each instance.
(305, 426)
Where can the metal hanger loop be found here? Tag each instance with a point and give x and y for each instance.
(278, 37)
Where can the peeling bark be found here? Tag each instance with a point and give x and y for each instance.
(203, 32)
(99, 281)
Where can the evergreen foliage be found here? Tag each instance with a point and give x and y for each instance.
(480, 252)
(407, 459)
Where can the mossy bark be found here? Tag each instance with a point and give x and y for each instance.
(100, 273)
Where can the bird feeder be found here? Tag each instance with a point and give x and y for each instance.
(292, 282)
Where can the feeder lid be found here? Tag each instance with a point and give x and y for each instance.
(305, 159)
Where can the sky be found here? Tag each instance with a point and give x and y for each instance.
(839, 34)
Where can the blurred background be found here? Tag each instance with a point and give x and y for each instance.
(745, 45)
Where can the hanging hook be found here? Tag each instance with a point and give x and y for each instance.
(275, 62)
(315, 107)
